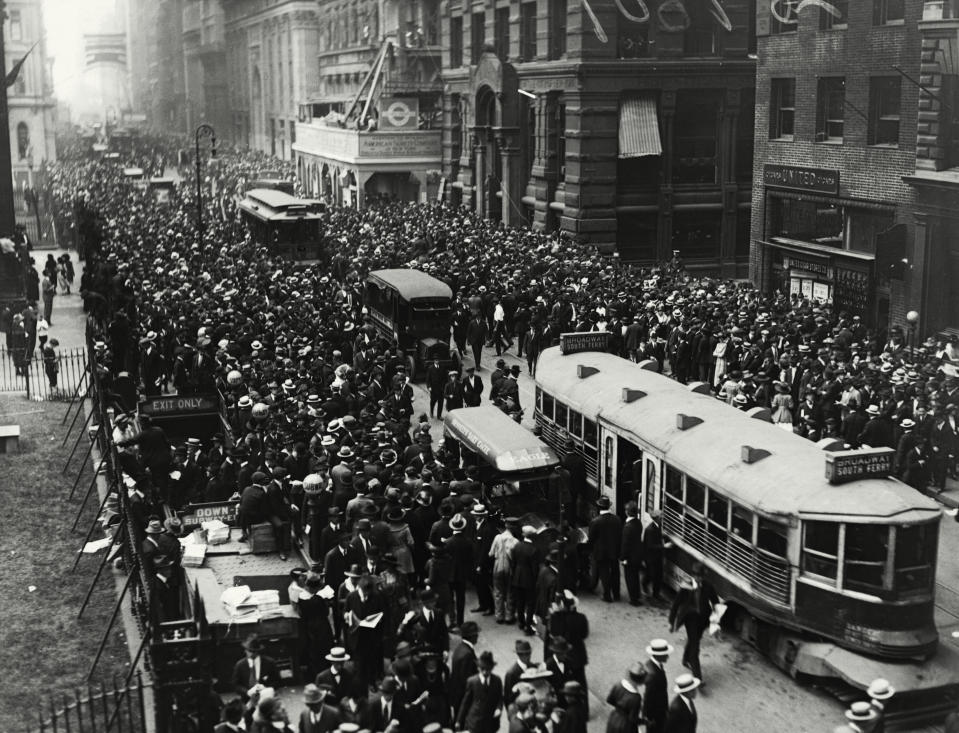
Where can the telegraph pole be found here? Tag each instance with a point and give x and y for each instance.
(8, 219)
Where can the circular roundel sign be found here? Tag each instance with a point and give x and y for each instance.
(399, 113)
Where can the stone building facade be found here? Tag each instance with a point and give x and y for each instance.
(632, 132)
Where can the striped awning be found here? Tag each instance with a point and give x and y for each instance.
(639, 127)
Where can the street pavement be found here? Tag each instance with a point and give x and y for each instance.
(743, 692)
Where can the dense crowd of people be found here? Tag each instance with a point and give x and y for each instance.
(325, 446)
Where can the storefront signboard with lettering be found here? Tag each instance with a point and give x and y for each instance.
(818, 180)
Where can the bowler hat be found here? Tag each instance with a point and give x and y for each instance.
(604, 502)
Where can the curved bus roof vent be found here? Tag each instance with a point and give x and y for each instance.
(583, 371)
(752, 455)
(631, 395)
(685, 422)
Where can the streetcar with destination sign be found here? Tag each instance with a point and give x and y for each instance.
(292, 228)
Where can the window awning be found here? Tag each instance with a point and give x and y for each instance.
(639, 127)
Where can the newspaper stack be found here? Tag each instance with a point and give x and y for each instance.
(267, 603)
(216, 532)
(193, 555)
(236, 601)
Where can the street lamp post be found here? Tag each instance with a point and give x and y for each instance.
(203, 130)
(912, 318)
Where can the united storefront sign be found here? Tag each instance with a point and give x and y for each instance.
(818, 180)
(852, 465)
(573, 343)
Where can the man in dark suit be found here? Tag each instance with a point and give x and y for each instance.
(524, 657)
(656, 699)
(339, 678)
(654, 554)
(427, 628)
(338, 560)
(483, 534)
(435, 381)
(682, 717)
(463, 663)
(255, 669)
(460, 548)
(482, 703)
(557, 662)
(606, 540)
(691, 609)
(368, 639)
(318, 716)
(525, 562)
(384, 713)
(632, 553)
(254, 505)
(472, 387)
(330, 532)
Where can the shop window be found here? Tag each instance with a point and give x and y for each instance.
(915, 557)
(864, 557)
(783, 17)
(557, 28)
(884, 93)
(530, 151)
(782, 109)
(632, 40)
(837, 20)
(477, 36)
(830, 109)
(636, 235)
(888, 12)
(695, 135)
(820, 555)
(743, 233)
(809, 221)
(501, 32)
(696, 234)
(642, 173)
(456, 42)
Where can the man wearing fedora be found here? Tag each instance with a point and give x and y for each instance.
(366, 628)
(482, 704)
(426, 627)
(656, 701)
(605, 540)
(557, 662)
(524, 660)
(463, 663)
(682, 716)
(384, 714)
(255, 671)
(318, 716)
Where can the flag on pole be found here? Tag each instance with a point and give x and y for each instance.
(15, 71)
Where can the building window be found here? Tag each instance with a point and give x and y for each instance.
(834, 20)
(783, 17)
(695, 135)
(830, 109)
(697, 234)
(632, 41)
(456, 42)
(699, 38)
(557, 29)
(782, 109)
(501, 32)
(884, 110)
(20, 85)
(477, 36)
(23, 140)
(808, 221)
(527, 25)
(16, 26)
(888, 12)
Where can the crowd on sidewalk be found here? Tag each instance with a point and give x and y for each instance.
(326, 446)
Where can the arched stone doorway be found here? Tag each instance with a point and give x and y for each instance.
(488, 165)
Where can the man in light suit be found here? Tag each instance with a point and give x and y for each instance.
(318, 716)
(482, 703)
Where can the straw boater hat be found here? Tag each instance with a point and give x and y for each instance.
(861, 712)
(880, 689)
(873, 409)
(659, 648)
(337, 655)
(687, 683)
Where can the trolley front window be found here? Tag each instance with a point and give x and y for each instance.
(820, 554)
(915, 557)
(576, 423)
(864, 561)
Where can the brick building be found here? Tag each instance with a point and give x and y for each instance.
(372, 126)
(835, 198)
(631, 132)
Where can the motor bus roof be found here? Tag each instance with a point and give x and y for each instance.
(786, 474)
(503, 443)
(412, 284)
(133, 172)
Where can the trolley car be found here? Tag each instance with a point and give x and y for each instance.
(291, 227)
(750, 506)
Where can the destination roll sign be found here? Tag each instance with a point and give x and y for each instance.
(574, 343)
(852, 465)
